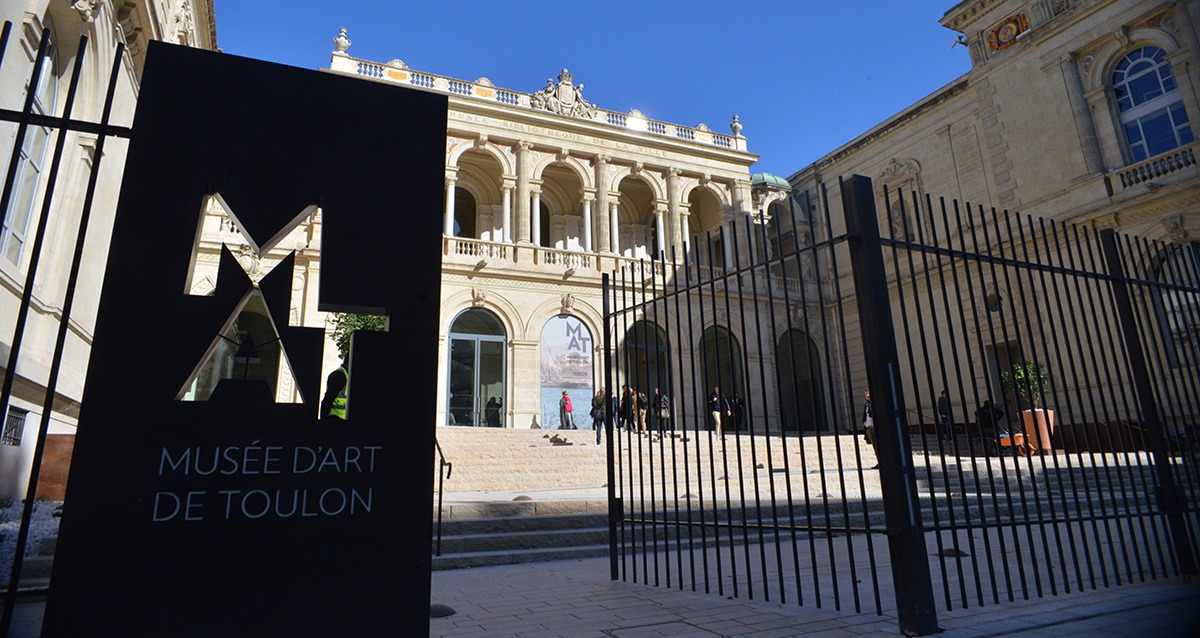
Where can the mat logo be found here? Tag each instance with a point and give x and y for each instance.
(247, 347)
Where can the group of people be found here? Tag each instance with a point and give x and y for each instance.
(988, 418)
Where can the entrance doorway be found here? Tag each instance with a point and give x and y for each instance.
(475, 395)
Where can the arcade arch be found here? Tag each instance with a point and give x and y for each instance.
(708, 224)
(801, 397)
(637, 222)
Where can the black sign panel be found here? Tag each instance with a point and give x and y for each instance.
(239, 515)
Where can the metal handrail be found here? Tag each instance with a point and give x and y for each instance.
(443, 464)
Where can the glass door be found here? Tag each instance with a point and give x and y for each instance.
(461, 395)
(476, 391)
(490, 383)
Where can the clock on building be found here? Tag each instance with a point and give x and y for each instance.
(1006, 33)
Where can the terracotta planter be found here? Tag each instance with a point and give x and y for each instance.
(1039, 426)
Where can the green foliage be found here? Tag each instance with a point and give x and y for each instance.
(1028, 379)
(346, 323)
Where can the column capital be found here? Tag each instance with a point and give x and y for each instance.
(524, 145)
(451, 173)
(673, 171)
(603, 159)
(508, 182)
(588, 194)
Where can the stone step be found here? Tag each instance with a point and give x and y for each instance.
(525, 539)
(521, 524)
(513, 557)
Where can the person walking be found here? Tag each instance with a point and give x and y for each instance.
(738, 406)
(662, 410)
(642, 405)
(625, 412)
(945, 430)
(716, 406)
(598, 412)
(987, 418)
(868, 420)
(565, 418)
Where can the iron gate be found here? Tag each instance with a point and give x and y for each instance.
(969, 327)
(26, 120)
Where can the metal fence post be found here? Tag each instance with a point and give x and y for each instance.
(1169, 497)
(615, 507)
(901, 501)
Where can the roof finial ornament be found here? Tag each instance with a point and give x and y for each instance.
(736, 127)
(341, 42)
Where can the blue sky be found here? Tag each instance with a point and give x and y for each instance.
(804, 77)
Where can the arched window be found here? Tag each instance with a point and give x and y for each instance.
(464, 213)
(475, 392)
(1149, 104)
(544, 217)
(800, 382)
(647, 355)
(30, 164)
(721, 358)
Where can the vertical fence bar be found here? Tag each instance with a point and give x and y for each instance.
(615, 509)
(901, 501)
(1168, 496)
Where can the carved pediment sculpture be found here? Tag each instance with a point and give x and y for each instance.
(565, 98)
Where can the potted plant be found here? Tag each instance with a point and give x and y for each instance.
(1030, 380)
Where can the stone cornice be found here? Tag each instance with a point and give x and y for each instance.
(964, 14)
(523, 123)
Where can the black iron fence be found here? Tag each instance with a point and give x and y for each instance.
(1030, 428)
(30, 121)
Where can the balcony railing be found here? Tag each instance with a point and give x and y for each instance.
(1157, 166)
(402, 75)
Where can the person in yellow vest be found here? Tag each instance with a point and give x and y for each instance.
(337, 392)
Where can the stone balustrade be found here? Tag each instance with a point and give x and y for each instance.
(1156, 167)
(481, 253)
(400, 74)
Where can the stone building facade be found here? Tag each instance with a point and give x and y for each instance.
(545, 192)
(106, 23)
(1074, 111)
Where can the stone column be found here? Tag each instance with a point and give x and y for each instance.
(506, 221)
(673, 217)
(587, 221)
(685, 229)
(726, 245)
(604, 239)
(1098, 102)
(448, 224)
(614, 236)
(743, 204)
(1085, 127)
(535, 217)
(659, 210)
(523, 170)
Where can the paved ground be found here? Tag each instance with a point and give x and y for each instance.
(577, 599)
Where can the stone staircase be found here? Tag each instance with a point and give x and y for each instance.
(532, 495)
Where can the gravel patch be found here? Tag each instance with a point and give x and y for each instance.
(43, 531)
